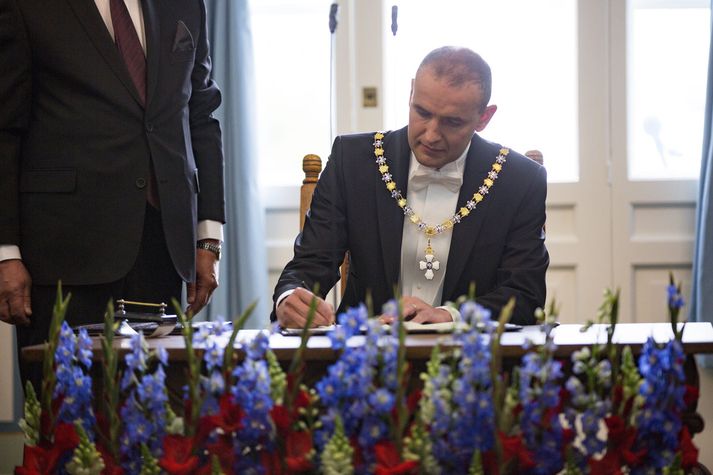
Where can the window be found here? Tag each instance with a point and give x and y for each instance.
(668, 43)
(292, 63)
(533, 57)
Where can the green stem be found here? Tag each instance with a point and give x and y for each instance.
(111, 387)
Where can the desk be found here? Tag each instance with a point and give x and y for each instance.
(697, 338)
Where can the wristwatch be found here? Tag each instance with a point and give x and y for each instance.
(210, 246)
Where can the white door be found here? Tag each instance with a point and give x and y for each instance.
(579, 225)
(657, 103)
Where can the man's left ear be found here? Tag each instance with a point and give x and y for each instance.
(485, 117)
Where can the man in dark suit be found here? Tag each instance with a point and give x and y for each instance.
(427, 209)
(112, 164)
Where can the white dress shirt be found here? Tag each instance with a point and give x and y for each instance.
(434, 203)
(207, 229)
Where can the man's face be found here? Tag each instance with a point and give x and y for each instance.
(443, 118)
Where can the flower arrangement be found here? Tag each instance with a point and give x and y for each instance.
(604, 411)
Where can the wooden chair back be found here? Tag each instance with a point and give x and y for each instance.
(312, 167)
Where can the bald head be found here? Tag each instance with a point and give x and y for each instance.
(459, 66)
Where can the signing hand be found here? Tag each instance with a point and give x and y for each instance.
(293, 310)
(199, 292)
(15, 284)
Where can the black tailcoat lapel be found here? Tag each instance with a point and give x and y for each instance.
(390, 216)
(465, 234)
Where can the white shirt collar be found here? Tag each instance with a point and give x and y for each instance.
(456, 166)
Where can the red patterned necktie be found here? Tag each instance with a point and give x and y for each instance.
(129, 46)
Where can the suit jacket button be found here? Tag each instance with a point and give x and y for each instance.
(140, 183)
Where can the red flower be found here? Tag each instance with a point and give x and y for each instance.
(229, 419)
(388, 460)
(690, 397)
(178, 458)
(65, 437)
(284, 416)
(298, 444)
(43, 459)
(36, 461)
(689, 452)
(621, 441)
(608, 465)
(564, 398)
(281, 417)
(271, 462)
(514, 449)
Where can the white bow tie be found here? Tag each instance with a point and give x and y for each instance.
(423, 176)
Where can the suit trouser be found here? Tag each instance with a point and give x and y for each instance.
(153, 278)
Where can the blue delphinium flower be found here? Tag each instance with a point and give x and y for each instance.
(213, 355)
(135, 361)
(539, 395)
(252, 391)
(390, 309)
(73, 359)
(373, 429)
(258, 346)
(441, 420)
(659, 420)
(350, 323)
(463, 419)
(382, 400)
(208, 338)
(144, 410)
(475, 315)
(213, 383)
(360, 387)
(84, 348)
(389, 362)
(586, 405)
(348, 383)
(675, 299)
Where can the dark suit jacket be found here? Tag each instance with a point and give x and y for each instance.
(499, 246)
(76, 143)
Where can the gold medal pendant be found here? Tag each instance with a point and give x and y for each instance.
(430, 263)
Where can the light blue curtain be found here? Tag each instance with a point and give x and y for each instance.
(243, 270)
(702, 292)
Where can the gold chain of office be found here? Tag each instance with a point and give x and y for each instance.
(429, 264)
